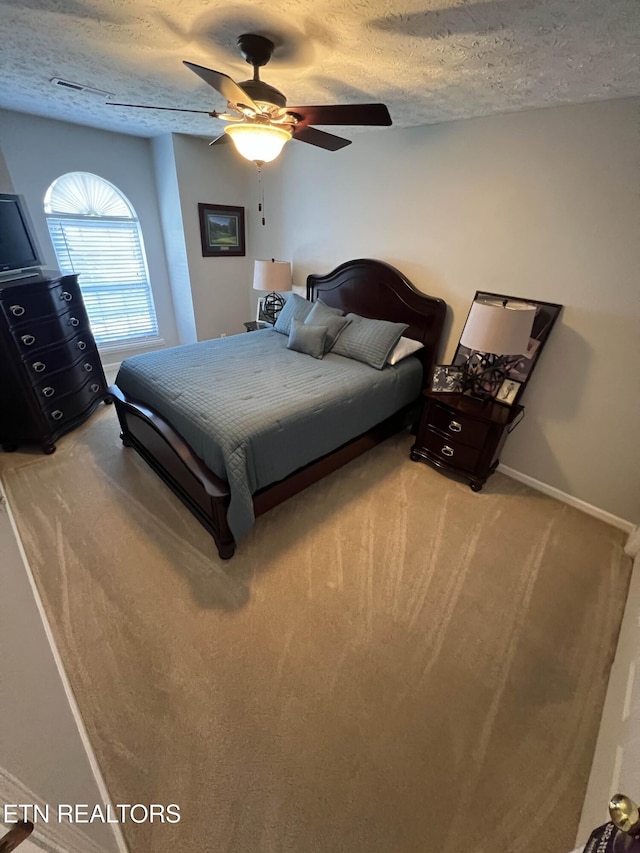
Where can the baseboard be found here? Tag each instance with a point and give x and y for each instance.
(595, 511)
(49, 837)
(75, 711)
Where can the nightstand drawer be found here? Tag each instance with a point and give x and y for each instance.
(453, 452)
(462, 428)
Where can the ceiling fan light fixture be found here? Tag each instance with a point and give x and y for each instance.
(260, 143)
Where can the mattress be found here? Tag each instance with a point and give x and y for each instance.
(255, 411)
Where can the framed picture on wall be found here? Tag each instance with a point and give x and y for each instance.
(221, 230)
(519, 366)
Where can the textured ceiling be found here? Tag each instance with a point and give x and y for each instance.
(428, 60)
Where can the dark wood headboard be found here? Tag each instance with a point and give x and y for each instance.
(377, 290)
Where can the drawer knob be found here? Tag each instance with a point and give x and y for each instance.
(95, 387)
(57, 414)
(447, 451)
(17, 310)
(66, 296)
(39, 366)
(454, 426)
(73, 321)
(28, 340)
(81, 345)
(88, 366)
(48, 391)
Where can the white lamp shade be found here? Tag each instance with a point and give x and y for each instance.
(272, 275)
(260, 143)
(501, 329)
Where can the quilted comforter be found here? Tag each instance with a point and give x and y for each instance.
(254, 411)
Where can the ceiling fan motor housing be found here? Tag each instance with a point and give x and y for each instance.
(263, 92)
(257, 50)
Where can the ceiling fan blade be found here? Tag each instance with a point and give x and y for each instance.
(318, 137)
(363, 114)
(211, 113)
(223, 84)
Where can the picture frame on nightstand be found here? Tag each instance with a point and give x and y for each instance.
(447, 378)
(508, 392)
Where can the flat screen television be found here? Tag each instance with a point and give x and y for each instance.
(18, 248)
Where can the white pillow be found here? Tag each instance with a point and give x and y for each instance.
(404, 347)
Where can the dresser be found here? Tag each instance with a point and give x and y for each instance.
(463, 436)
(51, 377)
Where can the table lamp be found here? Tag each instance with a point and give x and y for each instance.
(495, 330)
(273, 276)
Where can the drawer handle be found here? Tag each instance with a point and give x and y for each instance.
(94, 387)
(17, 310)
(454, 426)
(447, 451)
(57, 415)
(66, 296)
(39, 366)
(88, 366)
(81, 345)
(48, 391)
(28, 340)
(73, 321)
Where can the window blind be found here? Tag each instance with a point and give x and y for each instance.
(108, 255)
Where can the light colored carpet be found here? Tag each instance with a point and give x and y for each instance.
(390, 663)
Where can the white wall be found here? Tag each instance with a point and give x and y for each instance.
(38, 150)
(542, 204)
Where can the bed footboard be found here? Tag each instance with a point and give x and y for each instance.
(204, 494)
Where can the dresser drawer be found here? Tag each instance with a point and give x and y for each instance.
(46, 333)
(65, 382)
(452, 452)
(25, 303)
(462, 428)
(60, 357)
(71, 406)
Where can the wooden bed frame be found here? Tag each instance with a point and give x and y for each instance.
(370, 288)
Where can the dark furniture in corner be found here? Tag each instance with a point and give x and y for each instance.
(462, 435)
(51, 377)
(367, 287)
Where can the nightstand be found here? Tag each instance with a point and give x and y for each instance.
(463, 436)
(254, 325)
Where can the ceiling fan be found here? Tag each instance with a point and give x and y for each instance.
(260, 122)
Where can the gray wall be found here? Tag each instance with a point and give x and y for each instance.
(37, 151)
(542, 204)
(219, 285)
(40, 744)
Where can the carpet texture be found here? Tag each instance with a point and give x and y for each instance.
(389, 663)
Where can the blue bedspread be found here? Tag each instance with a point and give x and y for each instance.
(254, 411)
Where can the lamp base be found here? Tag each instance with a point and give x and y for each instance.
(269, 307)
(484, 373)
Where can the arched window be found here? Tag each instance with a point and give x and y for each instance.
(96, 233)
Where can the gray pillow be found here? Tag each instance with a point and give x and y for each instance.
(370, 341)
(307, 339)
(295, 308)
(322, 315)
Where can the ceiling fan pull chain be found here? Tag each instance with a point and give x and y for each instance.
(261, 196)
